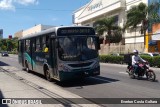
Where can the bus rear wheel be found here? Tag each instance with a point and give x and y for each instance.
(48, 75)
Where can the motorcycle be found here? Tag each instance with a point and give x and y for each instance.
(143, 70)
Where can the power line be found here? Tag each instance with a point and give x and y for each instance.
(42, 9)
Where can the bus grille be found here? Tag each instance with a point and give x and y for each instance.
(81, 64)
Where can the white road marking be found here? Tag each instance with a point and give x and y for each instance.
(123, 72)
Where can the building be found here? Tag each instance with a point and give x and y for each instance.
(154, 34)
(35, 29)
(18, 34)
(154, 38)
(1, 33)
(97, 9)
(32, 30)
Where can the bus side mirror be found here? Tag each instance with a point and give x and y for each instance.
(98, 43)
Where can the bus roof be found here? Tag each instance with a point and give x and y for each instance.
(50, 30)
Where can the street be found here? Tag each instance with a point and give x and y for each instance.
(113, 82)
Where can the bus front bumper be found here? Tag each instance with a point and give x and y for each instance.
(76, 74)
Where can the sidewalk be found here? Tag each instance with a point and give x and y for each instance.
(19, 84)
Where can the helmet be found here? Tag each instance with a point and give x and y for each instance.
(135, 51)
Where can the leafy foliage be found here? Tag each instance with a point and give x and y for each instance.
(136, 15)
(115, 37)
(111, 59)
(8, 44)
(153, 10)
(144, 15)
(153, 61)
(108, 25)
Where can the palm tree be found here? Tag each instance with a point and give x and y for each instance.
(106, 25)
(139, 15)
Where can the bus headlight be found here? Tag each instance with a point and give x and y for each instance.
(62, 67)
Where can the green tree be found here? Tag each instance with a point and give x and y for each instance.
(116, 36)
(4, 48)
(1, 44)
(15, 44)
(8, 44)
(139, 15)
(106, 25)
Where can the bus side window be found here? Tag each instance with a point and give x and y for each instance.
(27, 45)
(45, 43)
(34, 45)
(38, 45)
(46, 48)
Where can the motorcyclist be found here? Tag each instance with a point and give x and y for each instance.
(135, 60)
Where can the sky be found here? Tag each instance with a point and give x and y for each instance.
(16, 15)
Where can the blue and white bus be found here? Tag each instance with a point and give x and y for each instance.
(72, 53)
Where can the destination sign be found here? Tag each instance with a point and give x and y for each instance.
(75, 31)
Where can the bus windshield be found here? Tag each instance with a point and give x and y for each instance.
(77, 48)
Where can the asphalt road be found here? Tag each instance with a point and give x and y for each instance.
(113, 82)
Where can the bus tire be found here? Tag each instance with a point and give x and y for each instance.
(47, 74)
(27, 67)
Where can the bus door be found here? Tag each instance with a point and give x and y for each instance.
(28, 54)
(32, 50)
(54, 57)
(21, 52)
